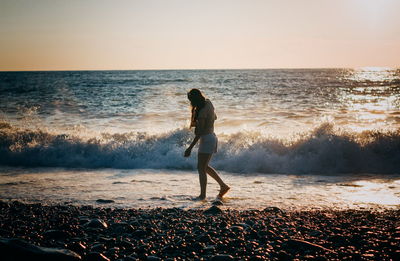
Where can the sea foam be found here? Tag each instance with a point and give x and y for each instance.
(322, 150)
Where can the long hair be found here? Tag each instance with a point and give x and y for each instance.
(197, 101)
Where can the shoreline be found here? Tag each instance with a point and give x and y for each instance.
(101, 233)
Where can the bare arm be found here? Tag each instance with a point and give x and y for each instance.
(198, 131)
(196, 138)
(189, 150)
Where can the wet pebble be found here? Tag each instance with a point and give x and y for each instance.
(217, 203)
(96, 223)
(56, 234)
(105, 201)
(214, 210)
(222, 258)
(95, 256)
(16, 249)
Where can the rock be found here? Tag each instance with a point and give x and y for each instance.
(223, 224)
(236, 228)
(96, 223)
(125, 244)
(209, 248)
(243, 225)
(77, 247)
(95, 256)
(296, 244)
(222, 258)
(83, 220)
(315, 233)
(129, 258)
(56, 234)
(104, 201)
(122, 227)
(153, 258)
(139, 233)
(273, 210)
(283, 256)
(98, 248)
(256, 258)
(217, 203)
(16, 249)
(214, 210)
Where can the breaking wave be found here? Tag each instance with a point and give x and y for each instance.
(322, 150)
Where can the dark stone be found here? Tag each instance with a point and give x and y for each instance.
(315, 233)
(129, 258)
(16, 249)
(273, 210)
(283, 256)
(222, 258)
(104, 201)
(77, 247)
(305, 245)
(122, 227)
(236, 228)
(125, 244)
(95, 256)
(223, 224)
(56, 234)
(98, 248)
(153, 258)
(217, 203)
(96, 223)
(214, 210)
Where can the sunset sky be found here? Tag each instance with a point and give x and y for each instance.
(182, 34)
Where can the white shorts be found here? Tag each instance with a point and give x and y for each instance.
(208, 143)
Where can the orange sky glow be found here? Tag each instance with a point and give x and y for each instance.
(207, 34)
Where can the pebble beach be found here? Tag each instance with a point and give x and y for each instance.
(66, 232)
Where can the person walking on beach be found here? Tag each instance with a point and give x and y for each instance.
(203, 117)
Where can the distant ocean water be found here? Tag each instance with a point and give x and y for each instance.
(278, 121)
(269, 121)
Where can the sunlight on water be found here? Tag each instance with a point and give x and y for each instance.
(372, 100)
(373, 74)
(378, 192)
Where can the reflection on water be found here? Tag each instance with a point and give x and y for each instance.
(375, 191)
(150, 188)
(372, 74)
(372, 99)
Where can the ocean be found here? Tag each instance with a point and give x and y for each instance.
(291, 138)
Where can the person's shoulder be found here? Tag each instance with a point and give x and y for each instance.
(206, 109)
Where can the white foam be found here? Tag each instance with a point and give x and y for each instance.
(320, 151)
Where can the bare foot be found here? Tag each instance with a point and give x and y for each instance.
(223, 191)
(199, 198)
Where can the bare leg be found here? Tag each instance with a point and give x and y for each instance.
(211, 171)
(204, 159)
(223, 187)
(202, 163)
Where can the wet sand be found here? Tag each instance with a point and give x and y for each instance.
(137, 188)
(101, 233)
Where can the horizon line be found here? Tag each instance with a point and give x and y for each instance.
(200, 69)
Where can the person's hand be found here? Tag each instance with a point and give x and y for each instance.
(187, 152)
